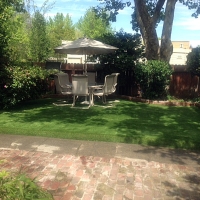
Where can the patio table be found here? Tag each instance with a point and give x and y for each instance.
(91, 89)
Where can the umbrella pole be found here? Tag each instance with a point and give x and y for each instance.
(85, 64)
(85, 71)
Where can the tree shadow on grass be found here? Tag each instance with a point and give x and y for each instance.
(131, 122)
(175, 127)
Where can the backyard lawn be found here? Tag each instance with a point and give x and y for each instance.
(125, 121)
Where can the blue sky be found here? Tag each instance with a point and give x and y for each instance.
(185, 27)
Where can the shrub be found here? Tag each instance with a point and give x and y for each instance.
(20, 186)
(193, 61)
(153, 78)
(23, 83)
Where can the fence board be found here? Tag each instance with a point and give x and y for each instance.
(184, 85)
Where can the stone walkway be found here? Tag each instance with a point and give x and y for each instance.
(72, 176)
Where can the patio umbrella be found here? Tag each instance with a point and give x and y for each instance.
(85, 46)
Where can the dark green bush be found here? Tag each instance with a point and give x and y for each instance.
(23, 83)
(153, 78)
(193, 61)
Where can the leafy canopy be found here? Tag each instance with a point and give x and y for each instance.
(129, 53)
(60, 28)
(92, 26)
(39, 41)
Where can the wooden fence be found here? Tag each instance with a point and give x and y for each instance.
(182, 85)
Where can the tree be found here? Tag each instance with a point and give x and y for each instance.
(146, 15)
(39, 42)
(60, 28)
(18, 44)
(92, 26)
(193, 61)
(129, 53)
(8, 8)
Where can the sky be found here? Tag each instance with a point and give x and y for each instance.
(185, 27)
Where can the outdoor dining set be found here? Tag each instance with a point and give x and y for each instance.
(85, 85)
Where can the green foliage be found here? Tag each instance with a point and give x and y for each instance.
(7, 11)
(92, 26)
(39, 41)
(20, 187)
(112, 7)
(129, 53)
(153, 78)
(60, 28)
(193, 61)
(24, 83)
(18, 45)
(195, 5)
(8, 25)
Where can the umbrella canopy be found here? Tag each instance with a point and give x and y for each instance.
(85, 46)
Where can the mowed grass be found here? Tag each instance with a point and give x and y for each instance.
(124, 122)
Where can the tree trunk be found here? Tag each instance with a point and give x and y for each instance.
(166, 48)
(148, 27)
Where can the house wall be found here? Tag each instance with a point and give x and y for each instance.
(181, 44)
(180, 52)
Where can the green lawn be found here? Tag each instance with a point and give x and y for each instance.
(125, 121)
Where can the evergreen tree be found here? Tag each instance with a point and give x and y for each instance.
(39, 42)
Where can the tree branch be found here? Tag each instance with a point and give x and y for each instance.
(158, 8)
(143, 12)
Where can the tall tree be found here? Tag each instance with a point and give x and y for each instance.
(92, 26)
(39, 41)
(8, 8)
(146, 15)
(18, 45)
(60, 28)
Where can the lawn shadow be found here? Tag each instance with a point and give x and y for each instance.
(129, 122)
(175, 127)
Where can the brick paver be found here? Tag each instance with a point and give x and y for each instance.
(70, 177)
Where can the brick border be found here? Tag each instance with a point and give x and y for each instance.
(165, 103)
(138, 99)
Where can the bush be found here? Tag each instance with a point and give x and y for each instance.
(153, 78)
(23, 83)
(20, 187)
(193, 61)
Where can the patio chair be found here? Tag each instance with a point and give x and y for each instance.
(106, 89)
(79, 87)
(115, 81)
(91, 78)
(62, 83)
